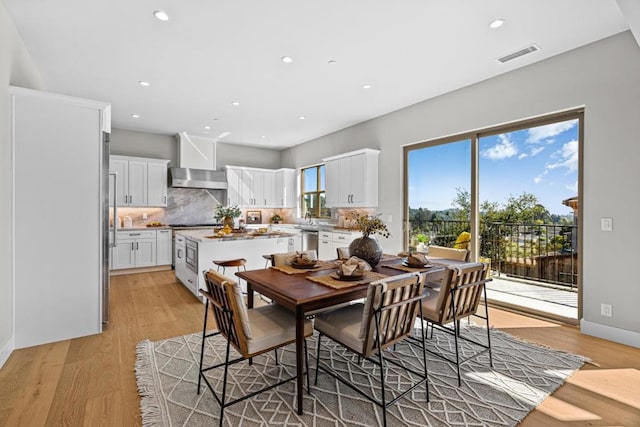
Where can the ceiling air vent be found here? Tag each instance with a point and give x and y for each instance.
(527, 50)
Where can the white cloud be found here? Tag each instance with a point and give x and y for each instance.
(540, 133)
(572, 187)
(538, 179)
(569, 157)
(522, 155)
(536, 150)
(502, 150)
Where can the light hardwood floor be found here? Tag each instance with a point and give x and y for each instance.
(90, 381)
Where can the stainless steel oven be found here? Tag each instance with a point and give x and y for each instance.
(191, 258)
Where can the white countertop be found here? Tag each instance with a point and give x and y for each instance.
(202, 236)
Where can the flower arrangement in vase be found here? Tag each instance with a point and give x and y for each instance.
(367, 247)
(227, 214)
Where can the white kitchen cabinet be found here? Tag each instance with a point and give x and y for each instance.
(140, 181)
(269, 188)
(352, 179)
(330, 241)
(325, 245)
(285, 188)
(164, 245)
(135, 249)
(234, 190)
(252, 188)
(157, 183)
(260, 188)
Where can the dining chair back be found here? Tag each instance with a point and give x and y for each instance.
(251, 333)
(456, 297)
(284, 258)
(343, 253)
(435, 251)
(385, 318)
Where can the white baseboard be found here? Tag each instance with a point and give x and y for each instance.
(610, 333)
(6, 351)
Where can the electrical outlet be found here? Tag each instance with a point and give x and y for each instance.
(605, 310)
(144, 215)
(606, 224)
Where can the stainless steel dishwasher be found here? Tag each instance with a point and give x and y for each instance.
(309, 240)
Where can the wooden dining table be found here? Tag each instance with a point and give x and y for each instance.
(300, 295)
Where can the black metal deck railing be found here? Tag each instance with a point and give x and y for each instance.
(540, 252)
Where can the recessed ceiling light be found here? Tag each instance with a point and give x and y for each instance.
(366, 86)
(263, 136)
(143, 83)
(207, 127)
(497, 23)
(161, 15)
(331, 61)
(302, 117)
(235, 103)
(215, 119)
(135, 116)
(286, 59)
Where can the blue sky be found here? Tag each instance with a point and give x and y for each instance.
(541, 160)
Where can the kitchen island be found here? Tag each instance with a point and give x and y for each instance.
(202, 247)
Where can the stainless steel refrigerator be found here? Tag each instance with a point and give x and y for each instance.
(61, 216)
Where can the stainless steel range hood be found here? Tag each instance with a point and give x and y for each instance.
(198, 178)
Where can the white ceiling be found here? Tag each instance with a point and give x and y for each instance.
(214, 52)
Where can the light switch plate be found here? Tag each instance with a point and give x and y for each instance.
(606, 224)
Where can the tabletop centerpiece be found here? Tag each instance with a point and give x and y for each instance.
(367, 247)
(227, 214)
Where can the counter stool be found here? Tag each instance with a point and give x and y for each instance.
(267, 260)
(238, 262)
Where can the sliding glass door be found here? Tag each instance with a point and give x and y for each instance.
(516, 190)
(438, 188)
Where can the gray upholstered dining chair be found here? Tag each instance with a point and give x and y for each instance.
(455, 297)
(385, 318)
(251, 332)
(435, 251)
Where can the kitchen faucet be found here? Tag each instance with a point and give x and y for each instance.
(307, 216)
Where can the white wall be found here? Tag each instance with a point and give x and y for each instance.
(143, 144)
(16, 68)
(604, 77)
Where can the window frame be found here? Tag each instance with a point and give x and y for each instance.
(318, 211)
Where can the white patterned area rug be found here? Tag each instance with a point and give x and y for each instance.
(523, 375)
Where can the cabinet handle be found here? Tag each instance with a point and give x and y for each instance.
(265, 202)
(130, 199)
(137, 246)
(125, 198)
(134, 234)
(131, 245)
(165, 200)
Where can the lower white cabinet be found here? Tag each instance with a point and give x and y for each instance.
(136, 249)
(330, 241)
(163, 247)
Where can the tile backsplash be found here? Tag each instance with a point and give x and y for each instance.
(194, 206)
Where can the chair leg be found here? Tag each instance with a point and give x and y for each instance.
(224, 382)
(456, 332)
(424, 358)
(381, 360)
(318, 358)
(275, 352)
(204, 332)
(486, 316)
(306, 363)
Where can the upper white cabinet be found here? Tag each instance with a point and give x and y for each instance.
(352, 179)
(140, 181)
(260, 188)
(285, 188)
(157, 183)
